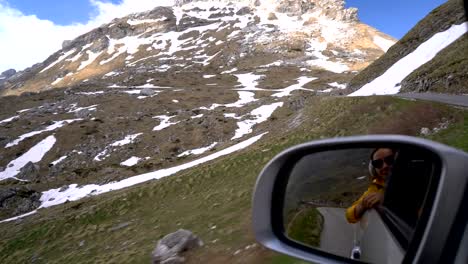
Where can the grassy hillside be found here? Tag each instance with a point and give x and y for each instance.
(214, 199)
(440, 19)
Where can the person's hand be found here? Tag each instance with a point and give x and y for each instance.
(372, 200)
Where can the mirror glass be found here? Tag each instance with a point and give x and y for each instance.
(359, 203)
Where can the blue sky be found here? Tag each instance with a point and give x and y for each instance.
(61, 12)
(395, 17)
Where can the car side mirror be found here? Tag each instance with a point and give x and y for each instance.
(378, 199)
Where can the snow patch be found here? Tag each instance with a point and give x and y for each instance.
(131, 161)
(91, 93)
(301, 81)
(135, 22)
(56, 81)
(261, 114)
(197, 151)
(91, 57)
(387, 83)
(164, 122)
(337, 85)
(197, 116)
(9, 119)
(74, 108)
(55, 125)
(58, 160)
(127, 140)
(382, 43)
(249, 81)
(74, 192)
(35, 154)
(65, 55)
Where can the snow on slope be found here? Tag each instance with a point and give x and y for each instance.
(388, 83)
(74, 192)
(127, 140)
(34, 154)
(9, 119)
(55, 125)
(384, 44)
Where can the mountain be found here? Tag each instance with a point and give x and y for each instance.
(162, 88)
(176, 46)
(162, 120)
(440, 42)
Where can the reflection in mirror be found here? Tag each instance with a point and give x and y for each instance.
(360, 203)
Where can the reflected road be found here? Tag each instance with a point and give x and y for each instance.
(337, 234)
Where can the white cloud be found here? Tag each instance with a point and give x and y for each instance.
(26, 39)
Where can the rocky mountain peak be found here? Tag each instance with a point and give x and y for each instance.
(334, 9)
(193, 37)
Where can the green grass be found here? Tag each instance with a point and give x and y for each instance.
(456, 135)
(214, 194)
(306, 227)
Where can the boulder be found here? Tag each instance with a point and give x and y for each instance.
(17, 201)
(29, 172)
(100, 44)
(272, 16)
(8, 73)
(147, 92)
(66, 44)
(244, 11)
(83, 113)
(168, 248)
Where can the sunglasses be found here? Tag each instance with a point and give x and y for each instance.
(378, 163)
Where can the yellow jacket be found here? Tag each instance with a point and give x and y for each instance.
(377, 186)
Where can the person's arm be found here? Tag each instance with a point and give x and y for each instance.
(367, 201)
(351, 213)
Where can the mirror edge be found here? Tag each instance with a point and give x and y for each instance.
(268, 234)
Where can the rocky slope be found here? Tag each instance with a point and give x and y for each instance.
(203, 92)
(446, 72)
(175, 46)
(165, 87)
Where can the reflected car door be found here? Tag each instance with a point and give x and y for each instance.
(376, 242)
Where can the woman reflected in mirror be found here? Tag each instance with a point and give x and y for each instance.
(380, 167)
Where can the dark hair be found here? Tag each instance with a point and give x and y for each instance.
(376, 149)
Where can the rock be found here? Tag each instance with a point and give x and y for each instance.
(29, 172)
(66, 44)
(18, 200)
(244, 11)
(187, 22)
(272, 16)
(100, 44)
(168, 248)
(120, 30)
(147, 92)
(119, 226)
(83, 113)
(295, 7)
(8, 73)
(425, 131)
(5, 194)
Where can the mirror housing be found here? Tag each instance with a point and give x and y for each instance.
(431, 237)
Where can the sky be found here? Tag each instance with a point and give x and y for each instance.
(395, 17)
(31, 30)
